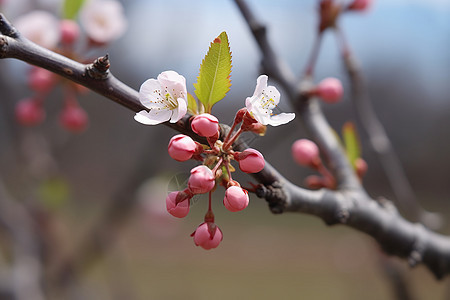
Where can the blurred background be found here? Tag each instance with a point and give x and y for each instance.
(95, 200)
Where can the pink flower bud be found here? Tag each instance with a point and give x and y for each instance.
(330, 90)
(207, 235)
(361, 167)
(360, 5)
(41, 80)
(181, 147)
(201, 180)
(236, 198)
(29, 112)
(250, 161)
(305, 153)
(73, 118)
(205, 125)
(70, 31)
(177, 203)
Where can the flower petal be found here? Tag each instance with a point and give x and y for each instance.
(281, 119)
(150, 94)
(272, 93)
(173, 83)
(261, 84)
(180, 111)
(153, 117)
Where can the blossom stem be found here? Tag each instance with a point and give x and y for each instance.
(231, 130)
(226, 163)
(329, 178)
(230, 142)
(314, 54)
(216, 167)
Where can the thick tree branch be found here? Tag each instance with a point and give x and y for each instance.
(349, 205)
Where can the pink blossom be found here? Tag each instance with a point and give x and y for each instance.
(103, 20)
(70, 31)
(305, 152)
(207, 235)
(330, 90)
(177, 203)
(205, 125)
(181, 147)
(41, 80)
(29, 112)
(40, 27)
(165, 97)
(236, 198)
(250, 161)
(201, 180)
(73, 118)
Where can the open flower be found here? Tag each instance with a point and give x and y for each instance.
(264, 100)
(40, 27)
(165, 97)
(103, 20)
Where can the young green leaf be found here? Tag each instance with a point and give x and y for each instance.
(192, 105)
(71, 8)
(351, 141)
(213, 81)
(54, 192)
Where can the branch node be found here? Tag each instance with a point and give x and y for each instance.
(416, 255)
(6, 28)
(274, 195)
(99, 69)
(343, 215)
(3, 45)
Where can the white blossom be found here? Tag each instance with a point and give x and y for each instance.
(165, 97)
(264, 100)
(40, 27)
(103, 20)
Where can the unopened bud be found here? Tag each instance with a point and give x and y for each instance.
(306, 153)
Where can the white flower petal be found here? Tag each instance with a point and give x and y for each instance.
(174, 83)
(103, 20)
(273, 94)
(150, 94)
(40, 27)
(281, 119)
(180, 111)
(261, 84)
(153, 117)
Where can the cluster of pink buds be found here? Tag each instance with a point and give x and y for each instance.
(306, 153)
(103, 21)
(215, 170)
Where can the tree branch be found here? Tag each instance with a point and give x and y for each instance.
(349, 205)
(380, 143)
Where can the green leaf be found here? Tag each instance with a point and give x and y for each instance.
(192, 105)
(351, 141)
(71, 8)
(54, 192)
(213, 81)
